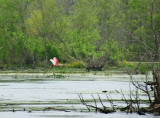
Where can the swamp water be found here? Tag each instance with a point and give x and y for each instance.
(26, 95)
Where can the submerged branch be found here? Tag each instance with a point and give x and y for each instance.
(102, 110)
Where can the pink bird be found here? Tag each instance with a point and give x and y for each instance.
(55, 62)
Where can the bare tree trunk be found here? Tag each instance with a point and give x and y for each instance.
(156, 78)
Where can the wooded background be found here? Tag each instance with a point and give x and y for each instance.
(33, 31)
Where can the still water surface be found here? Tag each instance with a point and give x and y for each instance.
(28, 95)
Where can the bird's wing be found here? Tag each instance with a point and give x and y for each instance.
(53, 61)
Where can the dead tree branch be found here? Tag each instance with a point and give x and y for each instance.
(102, 110)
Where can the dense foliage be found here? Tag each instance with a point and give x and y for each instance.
(33, 31)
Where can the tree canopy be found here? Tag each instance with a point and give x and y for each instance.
(33, 31)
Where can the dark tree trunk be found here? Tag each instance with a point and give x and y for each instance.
(98, 64)
(156, 78)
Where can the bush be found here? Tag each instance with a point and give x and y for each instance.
(74, 64)
(144, 67)
(128, 64)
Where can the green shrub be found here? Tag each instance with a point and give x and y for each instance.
(128, 64)
(74, 64)
(144, 67)
(157, 65)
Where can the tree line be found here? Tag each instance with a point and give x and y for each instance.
(33, 31)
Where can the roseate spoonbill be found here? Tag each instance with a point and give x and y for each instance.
(55, 62)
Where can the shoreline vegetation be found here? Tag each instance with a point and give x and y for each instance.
(76, 67)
